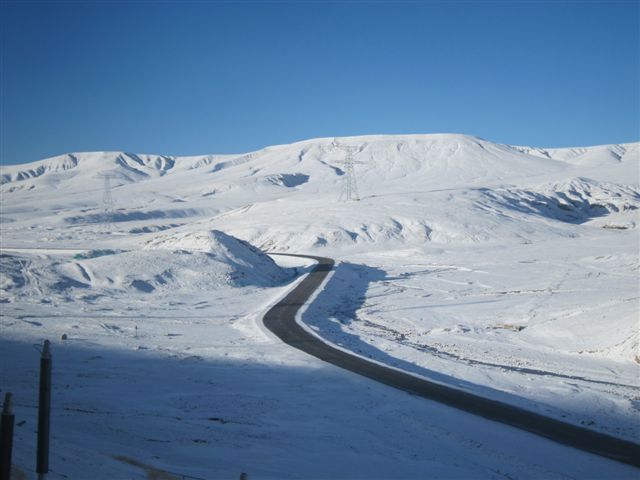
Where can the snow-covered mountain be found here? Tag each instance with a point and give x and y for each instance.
(414, 188)
(455, 157)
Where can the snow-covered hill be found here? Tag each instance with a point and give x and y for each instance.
(171, 267)
(433, 158)
(510, 270)
(414, 189)
(460, 156)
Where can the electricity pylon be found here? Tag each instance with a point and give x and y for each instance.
(107, 198)
(107, 203)
(349, 184)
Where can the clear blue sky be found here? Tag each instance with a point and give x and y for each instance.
(220, 77)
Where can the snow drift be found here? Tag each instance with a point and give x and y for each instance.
(192, 262)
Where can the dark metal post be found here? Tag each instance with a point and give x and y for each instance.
(44, 412)
(6, 438)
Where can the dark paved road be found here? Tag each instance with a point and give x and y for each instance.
(281, 321)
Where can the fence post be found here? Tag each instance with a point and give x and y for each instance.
(44, 412)
(6, 438)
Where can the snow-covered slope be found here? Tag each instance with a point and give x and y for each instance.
(195, 262)
(438, 156)
(587, 156)
(414, 188)
(509, 270)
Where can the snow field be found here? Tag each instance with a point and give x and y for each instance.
(508, 271)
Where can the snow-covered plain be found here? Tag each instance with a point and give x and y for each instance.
(508, 271)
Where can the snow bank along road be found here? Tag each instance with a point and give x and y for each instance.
(281, 320)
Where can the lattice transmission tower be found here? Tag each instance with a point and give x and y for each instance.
(349, 184)
(107, 197)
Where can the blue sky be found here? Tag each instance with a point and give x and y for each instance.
(202, 77)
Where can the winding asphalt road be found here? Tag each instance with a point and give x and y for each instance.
(281, 320)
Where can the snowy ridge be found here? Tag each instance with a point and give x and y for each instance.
(245, 259)
(474, 185)
(576, 200)
(198, 261)
(131, 166)
(438, 158)
(36, 169)
(415, 147)
(601, 154)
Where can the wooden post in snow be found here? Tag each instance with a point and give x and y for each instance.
(44, 412)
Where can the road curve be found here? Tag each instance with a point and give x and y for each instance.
(281, 320)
